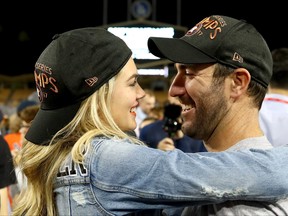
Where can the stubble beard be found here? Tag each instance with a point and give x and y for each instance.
(211, 108)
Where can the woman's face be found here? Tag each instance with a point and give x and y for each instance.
(125, 96)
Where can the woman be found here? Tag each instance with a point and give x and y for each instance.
(80, 158)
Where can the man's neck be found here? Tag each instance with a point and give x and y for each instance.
(235, 127)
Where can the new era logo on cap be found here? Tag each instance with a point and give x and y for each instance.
(237, 57)
(91, 81)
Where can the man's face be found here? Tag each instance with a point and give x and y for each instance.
(204, 102)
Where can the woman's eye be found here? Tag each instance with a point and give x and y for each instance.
(135, 82)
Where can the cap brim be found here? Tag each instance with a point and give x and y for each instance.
(48, 122)
(177, 50)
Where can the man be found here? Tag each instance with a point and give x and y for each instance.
(274, 110)
(145, 105)
(223, 67)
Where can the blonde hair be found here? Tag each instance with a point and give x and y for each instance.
(41, 163)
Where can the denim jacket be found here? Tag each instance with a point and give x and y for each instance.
(118, 177)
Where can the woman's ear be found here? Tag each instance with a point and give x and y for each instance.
(240, 82)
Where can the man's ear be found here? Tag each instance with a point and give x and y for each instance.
(240, 82)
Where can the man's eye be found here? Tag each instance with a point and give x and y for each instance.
(188, 72)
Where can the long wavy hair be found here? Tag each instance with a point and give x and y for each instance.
(40, 164)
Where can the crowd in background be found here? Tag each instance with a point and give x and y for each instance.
(14, 124)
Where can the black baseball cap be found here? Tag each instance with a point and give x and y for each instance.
(221, 39)
(71, 68)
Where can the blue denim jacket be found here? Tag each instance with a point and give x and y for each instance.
(118, 177)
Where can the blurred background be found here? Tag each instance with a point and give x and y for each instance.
(26, 29)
